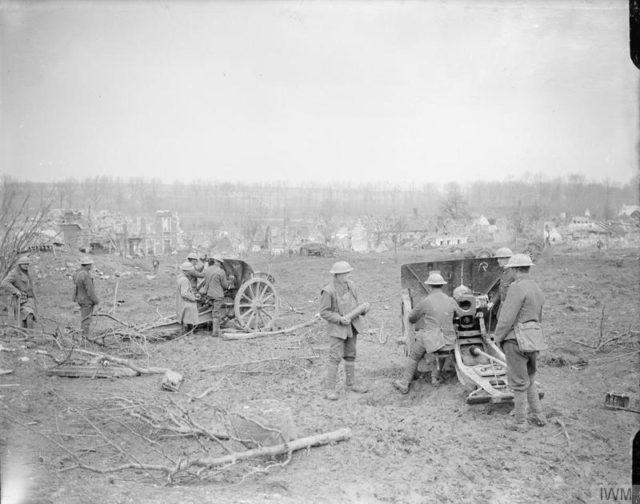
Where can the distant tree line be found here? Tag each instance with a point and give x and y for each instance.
(207, 201)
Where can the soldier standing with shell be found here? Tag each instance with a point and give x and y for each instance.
(340, 308)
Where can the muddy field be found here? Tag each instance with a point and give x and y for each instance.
(427, 446)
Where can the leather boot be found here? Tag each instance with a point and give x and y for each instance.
(537, 416)
(407, 377)
(350, 372)
(330, 383)
(520, 410)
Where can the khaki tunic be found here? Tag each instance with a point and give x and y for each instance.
(336, 301)
(186, 306)
(18, 282)
(523, 304)
(84, 293)
(215, 282)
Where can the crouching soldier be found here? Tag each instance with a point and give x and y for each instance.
(437, 310)
(23, 302)
(337, 299)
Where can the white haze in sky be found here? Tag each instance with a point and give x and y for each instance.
(405, 92)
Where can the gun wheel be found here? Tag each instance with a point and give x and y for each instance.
(256, 304)
(407, 328)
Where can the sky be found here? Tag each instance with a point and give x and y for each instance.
(405, 92)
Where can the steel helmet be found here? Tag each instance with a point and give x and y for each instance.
(218, 258)
(86, 260)
(503, 252)
(340, 267)
(519, 261)
(187, 266)
(192, 255)
(24, 260)
(435, 278)
(461, 290)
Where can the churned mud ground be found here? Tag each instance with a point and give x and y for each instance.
(427, 446)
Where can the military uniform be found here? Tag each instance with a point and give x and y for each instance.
(523, 303)
(436, 310)
(18, 282)
(193, 276)
(186, 306)
(506, 279)
(85, 295)
(213, 287)
(335, 301)
(436, 313)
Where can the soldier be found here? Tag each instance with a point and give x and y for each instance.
(196, 272)
(186, 299)
(23, 302)
(437, 309)
(523, 304)
(337, 299)
(213, 287)
(84, 293)
(503, 254)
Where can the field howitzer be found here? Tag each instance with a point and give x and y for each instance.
(480, 365)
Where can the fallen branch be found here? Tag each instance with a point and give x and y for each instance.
(108, 315)
(257, 334)
(566, 434)
(102, 359)
(270, 451)
(600, 344)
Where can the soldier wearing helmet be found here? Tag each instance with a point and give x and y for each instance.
(337, 299)
(186, 299)
(436, 310)
(23, 302)
(213, 287)
(523, 304)
(503, 254)
(84, 293)
(194, 274)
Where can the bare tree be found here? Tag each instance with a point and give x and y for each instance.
(18, 230)
(454, 204)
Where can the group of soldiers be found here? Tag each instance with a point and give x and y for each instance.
(520, 303)
(199, 285)
(22, 306)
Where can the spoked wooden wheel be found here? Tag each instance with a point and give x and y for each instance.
(408, 334)
(256, 304)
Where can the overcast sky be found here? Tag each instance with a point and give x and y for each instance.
(403, 91)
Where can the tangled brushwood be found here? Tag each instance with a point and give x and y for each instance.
(168, 442)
